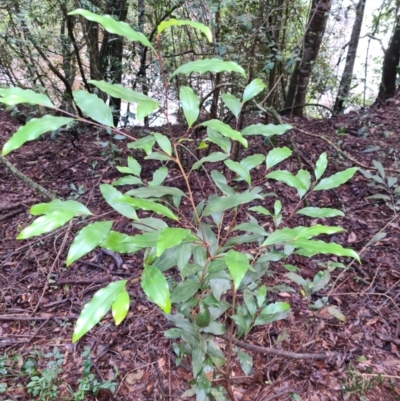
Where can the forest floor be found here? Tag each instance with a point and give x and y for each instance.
(40, 298)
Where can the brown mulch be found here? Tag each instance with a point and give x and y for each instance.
(40, 298)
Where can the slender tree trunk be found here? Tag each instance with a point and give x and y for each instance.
(218, 75)
(345, 82)
(312, 41)
(141, 75)
(390, 64)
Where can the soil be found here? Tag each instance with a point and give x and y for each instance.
(40, 298)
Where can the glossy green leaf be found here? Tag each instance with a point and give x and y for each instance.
(113, 26)
(94, 107)
(277, 155)
(147, 205)
(163, 142)
(223, 142)
(57, 205)
(261, 295)
(266, 130)
(197, 25)
(185, 290)
(117, 242)
(336, 180)
(155, 191)
(335, 312)
(147, 240)
(232, 103)
(14, 96)
(146, 143)
(246, 362)
(250, 302)
(170, 237)
(241, 171)
(253, 89)
(261, 210)
(190, 104)
(120, 307)
(155, 286)
(288, 178)
(252, 161)
(212, 158)
(111, 194)
(225, 130)
(32, 130)
(272, 313)
(222, 203)
(320, 165)
(238, 265)
(145, 105)
(158, 156)
(87, 239)
(313, 247)
(97, 308)
(134, 166)
(209, 65)
(220, 181)
(127, 180)
(46, 223)
(215, 328)
(320, 212)
(305, 177)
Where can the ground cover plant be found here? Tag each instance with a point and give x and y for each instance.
(217, 291)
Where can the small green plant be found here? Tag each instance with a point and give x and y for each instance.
(44, 385)
(389, 187)
(88, 382)
(220, 249)
(358, 384)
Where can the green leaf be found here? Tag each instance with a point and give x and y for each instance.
(94, 107)
(46, 223)
(127, 180)
(222, 203)
(320, 165)
(145, 143)
(212, 158)
(250, 302)
(225, 130)
(261, 295)
(135, 167)
(220, 181)
(238, 265)
(313, 247)
(120, 307)
(113, 26)
(164, 143)
(111, 194)
(253, 89)
(232, 103)
(155, 191)
(197, 25)
(246, 362)
(218, 139)
(288, 178)
(147, 240)
(239, 170)
(305, 177)
(185, 290)
(145, 105)
(261, 210)
(97, 308)
(87, 239)
(266, 130)
(215, 328)
(158, 156)
(147, 205)
(320, 212)
(209, 65)
(190, 104)
(336, 179)
(57, 205)
(276, 307)
(335, 312)
(170, 237)
(155, 286)
(14, 96)
(252, 161)
(32, 130)
(277, 155)
(118, 242)
(272, 313)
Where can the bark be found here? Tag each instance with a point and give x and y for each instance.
(390, 63)
(312, 41)
(218, 75)
(345, 82)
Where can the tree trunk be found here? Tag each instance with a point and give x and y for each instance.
(345, 82)
(296, 96)
(111, 53)
(390, 63)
